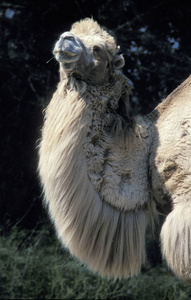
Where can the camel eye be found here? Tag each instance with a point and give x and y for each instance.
(96, 50)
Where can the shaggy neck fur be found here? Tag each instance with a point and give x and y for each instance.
(91, 181)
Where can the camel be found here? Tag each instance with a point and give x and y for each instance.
(105, 175)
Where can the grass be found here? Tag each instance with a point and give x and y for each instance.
(33, 265)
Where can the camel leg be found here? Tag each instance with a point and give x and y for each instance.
(176, 240)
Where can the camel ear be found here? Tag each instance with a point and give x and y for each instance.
(118, 61)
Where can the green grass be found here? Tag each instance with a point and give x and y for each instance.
(33, 265)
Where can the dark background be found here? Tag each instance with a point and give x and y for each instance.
(155, 38)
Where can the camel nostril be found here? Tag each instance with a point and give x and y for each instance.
(67, 36)
(70, 38)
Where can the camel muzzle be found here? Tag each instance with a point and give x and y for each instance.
(67, 49)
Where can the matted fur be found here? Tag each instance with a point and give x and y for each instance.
(103, 174)
(110, 240)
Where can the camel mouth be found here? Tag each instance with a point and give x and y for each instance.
(66, 56)
(67, 49)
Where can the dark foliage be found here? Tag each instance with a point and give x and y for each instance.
(154, 38)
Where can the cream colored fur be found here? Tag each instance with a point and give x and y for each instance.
(109, 239)
(176, 240)
(103, 174)
(170, 166)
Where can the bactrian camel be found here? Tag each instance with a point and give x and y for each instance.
(106, 176)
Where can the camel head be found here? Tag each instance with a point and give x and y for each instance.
(88, 53)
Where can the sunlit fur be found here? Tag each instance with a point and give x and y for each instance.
(170, 169)
(176, 240)
(109, 239)
(103, 174)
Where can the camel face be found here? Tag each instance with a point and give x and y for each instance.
(84, 54)
(83, 58)
(67, 50)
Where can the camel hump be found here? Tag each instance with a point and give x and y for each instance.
(179, 98)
